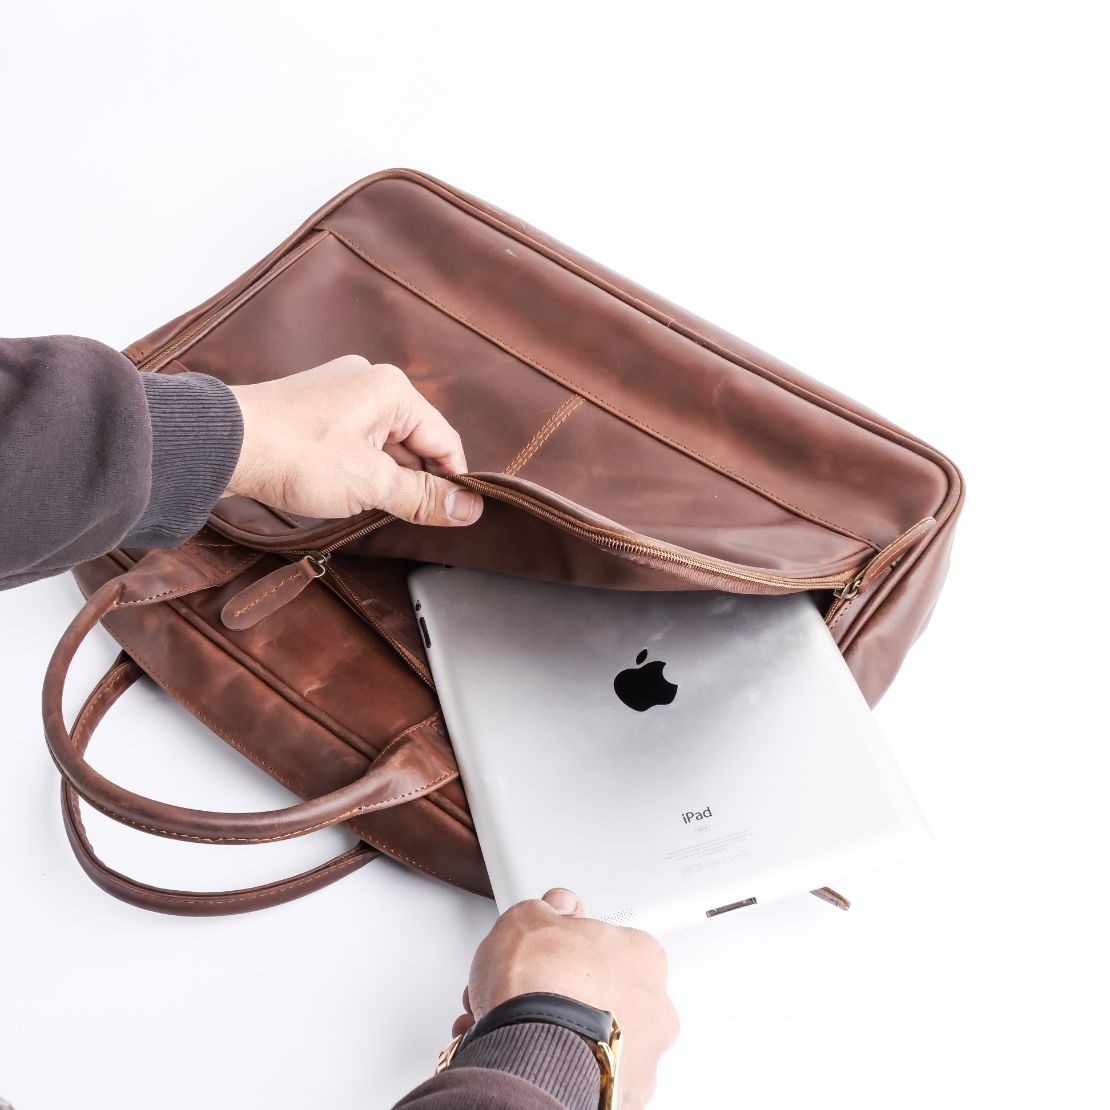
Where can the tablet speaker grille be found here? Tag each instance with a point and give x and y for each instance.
(620, 917)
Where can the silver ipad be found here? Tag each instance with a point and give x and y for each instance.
(668, 756)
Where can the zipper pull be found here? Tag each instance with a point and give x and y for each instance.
(270, 593)
(875, 566)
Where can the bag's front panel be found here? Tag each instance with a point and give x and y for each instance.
(310, 695)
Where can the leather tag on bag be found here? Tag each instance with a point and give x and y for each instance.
(268, 594)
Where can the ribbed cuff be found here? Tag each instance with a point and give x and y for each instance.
(555, 1059)
(197, 431)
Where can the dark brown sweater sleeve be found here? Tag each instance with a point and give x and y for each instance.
(94, 454)
(531, 1066)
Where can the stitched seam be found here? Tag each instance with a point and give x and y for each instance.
(545, 1015)
(250, 896)
(262, 597)
(428, 722)
(350, 814)
(544, 434)
(78, 726)
(635, 421)
(87, 709)
(388, 848)
(193, 587)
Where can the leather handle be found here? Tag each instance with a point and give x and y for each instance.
(413, 764)
(123, 673)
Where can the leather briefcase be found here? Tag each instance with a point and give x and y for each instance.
(618, 440)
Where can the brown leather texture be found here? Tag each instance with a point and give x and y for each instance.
(618, 440)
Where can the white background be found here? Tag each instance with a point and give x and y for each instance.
(908, 202)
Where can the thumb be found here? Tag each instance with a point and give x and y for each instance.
(420, 497)
(563, 901)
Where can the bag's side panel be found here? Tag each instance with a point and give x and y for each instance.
(877, 642)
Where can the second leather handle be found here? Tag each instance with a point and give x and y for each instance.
(413, 764)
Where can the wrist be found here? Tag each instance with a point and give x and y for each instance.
(244, 476)
(596, 1030)
(553, 1059)
(196, 430)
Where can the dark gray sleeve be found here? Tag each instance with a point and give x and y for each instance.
(94, 454)
(531, 1066)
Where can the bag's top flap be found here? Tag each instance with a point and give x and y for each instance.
(575, 391)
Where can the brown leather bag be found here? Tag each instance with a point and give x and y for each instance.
(619, 441)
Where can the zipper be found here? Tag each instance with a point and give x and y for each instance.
(846, 586)
(875, 566)
(603, 538)
(339, 586)
(320, 555)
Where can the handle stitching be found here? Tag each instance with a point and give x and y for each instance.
(251, 896)
(113, 681)
(358, 811)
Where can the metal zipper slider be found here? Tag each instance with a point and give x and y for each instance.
(876, 565)
(319, 559)
(273, 591)
(849, 591)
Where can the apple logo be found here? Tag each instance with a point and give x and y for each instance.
(641, 687)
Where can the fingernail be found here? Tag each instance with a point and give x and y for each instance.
(561, 900)
(462, 504)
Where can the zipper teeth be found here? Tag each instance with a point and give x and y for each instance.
(342, 588)
(603, 539)
(328, 548)
(598, 536)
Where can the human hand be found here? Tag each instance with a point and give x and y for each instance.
(547, 945)
(348, 436)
